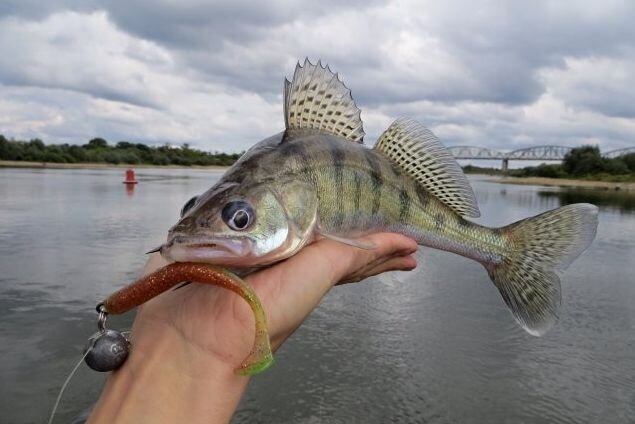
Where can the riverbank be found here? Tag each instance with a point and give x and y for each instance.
(55, 165)
(561, 182)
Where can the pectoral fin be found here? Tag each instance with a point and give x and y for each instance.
(350, 242)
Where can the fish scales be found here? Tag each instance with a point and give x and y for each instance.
(315, 179)
(335, 166)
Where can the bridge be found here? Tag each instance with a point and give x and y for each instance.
(543, 153)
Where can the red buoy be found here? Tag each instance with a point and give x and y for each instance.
(130, 178)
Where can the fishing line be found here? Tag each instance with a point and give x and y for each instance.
(106, 350)
(68, 379)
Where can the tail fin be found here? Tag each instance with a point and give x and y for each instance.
(541, 246)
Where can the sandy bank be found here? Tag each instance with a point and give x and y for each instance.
(561, 182)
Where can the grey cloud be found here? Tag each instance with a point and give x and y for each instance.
(596, 83)
(97, 90)
(82, 53)
(500, 49)
(612, 102)
(37, 9)
(204, 24)
(507, 43)
(500, 46)
(237, 43)
(479, 72)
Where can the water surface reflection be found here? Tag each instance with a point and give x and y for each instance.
(436, 345)
(622, 201)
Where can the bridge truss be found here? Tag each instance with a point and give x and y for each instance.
(619, 152)
(544, 153)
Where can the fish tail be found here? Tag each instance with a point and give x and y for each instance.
(539, 247)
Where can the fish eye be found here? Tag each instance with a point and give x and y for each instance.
(238, 215)
(188, 205)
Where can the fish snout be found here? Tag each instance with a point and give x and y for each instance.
(177, 239)
(186, 225)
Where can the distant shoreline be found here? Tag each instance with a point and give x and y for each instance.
(56, 165)
(559, 182)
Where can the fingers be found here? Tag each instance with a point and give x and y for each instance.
(301, 281)
(316, 268)
(291, 289)
(399, 263)
(347, 261)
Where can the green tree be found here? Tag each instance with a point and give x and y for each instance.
(96, 143)
(629, 161)
(97, 150)
(584, 160)
(124, 145)
(37, 144)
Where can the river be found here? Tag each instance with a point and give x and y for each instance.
(436, 345)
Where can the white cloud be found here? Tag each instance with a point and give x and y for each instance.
(85, 53)
(496, 74)
(110, 84)
(602, 84)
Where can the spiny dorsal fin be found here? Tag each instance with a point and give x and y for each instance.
(413, 147)
(317, 100)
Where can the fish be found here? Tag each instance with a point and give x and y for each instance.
(317, 179)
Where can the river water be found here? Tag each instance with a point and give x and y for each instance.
(435, 345)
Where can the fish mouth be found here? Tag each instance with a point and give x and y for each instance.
(202, 245)
(216, 251)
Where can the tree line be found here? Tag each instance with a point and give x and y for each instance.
(584, 162)
(98, 150)
(581, 162)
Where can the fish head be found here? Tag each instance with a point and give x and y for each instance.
(243, 225)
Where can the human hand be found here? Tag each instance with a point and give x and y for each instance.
(220, 323)
(199, 334)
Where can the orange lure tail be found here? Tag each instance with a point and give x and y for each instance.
(144, 289)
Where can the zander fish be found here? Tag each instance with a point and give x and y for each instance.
(316, 179)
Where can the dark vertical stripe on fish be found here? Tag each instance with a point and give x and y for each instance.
(439, 220)
(464, 223)
(298, 152)
(396, 169)
(357, 198)
(404, 205)
(424, 196)
(375, 177)
(338, 155)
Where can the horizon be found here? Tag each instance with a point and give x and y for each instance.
(113, 143)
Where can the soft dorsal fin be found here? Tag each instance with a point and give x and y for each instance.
(317, 100)
(416, 150)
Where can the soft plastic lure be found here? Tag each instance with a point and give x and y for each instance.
(108, 349)
(144, 289)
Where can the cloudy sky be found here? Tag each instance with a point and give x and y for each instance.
(499, 74)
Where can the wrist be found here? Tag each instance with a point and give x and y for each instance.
(166, 379)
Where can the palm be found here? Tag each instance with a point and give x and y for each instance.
(219, 324)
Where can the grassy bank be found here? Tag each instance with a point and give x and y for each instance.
(55, 165)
